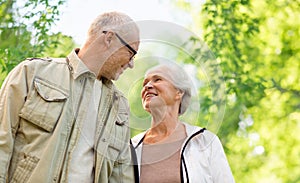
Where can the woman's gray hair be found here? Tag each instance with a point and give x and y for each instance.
(179, 78)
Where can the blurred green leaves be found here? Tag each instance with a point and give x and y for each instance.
(256, 44)
(25, 32)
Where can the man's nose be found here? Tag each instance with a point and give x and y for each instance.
(131, 64)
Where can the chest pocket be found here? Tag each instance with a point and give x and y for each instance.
(44, 105)
(119, 135)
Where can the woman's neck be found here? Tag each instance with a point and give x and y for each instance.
(165, 131)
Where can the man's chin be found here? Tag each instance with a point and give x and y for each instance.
(115, 77)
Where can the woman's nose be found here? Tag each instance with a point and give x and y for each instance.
(148, 85)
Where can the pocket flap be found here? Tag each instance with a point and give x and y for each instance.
(49, 93)
(122, 118)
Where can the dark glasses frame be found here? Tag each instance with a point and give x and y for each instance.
(125, 44)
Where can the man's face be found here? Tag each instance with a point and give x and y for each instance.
(120, 60)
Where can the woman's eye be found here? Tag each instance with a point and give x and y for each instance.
(157, 79)
(144, 83)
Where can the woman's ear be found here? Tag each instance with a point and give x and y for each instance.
(179, 94)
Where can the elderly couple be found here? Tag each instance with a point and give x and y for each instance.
(63, 120)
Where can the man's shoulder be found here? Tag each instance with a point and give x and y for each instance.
(47, 64)
(46, 60)
(40, 65)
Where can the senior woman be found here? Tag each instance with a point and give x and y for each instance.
(172, 151)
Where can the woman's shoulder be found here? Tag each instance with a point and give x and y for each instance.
(137, 138)
(191, 129)
(201, 136)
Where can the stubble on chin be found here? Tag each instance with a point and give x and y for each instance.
(116, 77)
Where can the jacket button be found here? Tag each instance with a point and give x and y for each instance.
(104, 139)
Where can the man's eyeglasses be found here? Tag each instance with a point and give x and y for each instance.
(125, 44)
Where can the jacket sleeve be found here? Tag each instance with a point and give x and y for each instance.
(220, 168)
(12, 97)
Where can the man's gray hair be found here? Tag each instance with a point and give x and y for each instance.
(112, 21)
(179, 78)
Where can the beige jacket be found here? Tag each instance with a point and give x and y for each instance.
(41, 102)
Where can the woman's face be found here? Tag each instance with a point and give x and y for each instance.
(158, 92)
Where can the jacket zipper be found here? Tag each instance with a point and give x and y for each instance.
(72, 128)
(97, 138)
(105, 120)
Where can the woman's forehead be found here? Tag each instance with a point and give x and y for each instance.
(153, 75)
(159, 71)
(156, 74)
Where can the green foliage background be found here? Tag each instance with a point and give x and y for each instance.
(256, 44)
(25, 32)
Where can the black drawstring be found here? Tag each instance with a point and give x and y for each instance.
(135, 163)
(183, 160)
(186, 172)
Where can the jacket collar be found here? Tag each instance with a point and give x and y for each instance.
(77, 65)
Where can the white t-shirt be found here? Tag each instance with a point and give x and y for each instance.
(81, 168)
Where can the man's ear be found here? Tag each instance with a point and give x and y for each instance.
(108, 38)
